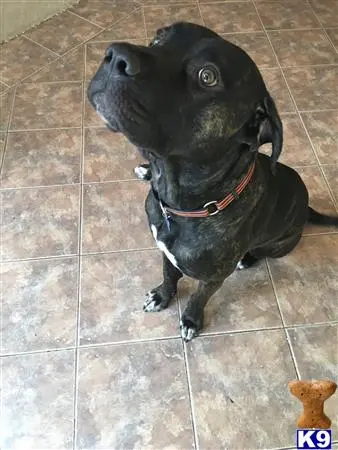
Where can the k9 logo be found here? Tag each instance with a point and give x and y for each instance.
(315, 439)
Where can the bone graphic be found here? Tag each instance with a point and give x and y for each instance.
(313, 394)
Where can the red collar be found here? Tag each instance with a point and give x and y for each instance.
(214, 207)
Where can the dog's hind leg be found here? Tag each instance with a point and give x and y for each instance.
(192, 317)
(277, 249)
(159, 297)
(247, 261)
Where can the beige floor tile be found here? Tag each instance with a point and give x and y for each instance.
(230, 17)
(6, 101)
(105, 12)
(114, 217)
(302, 47)
(37, 401)
(67, 68)
(314, 87)
(39, 304)
(256, 45)
(286, 14)
(297, 150)
(63, 32)
(306, 281)
(245, 301)
(323, 130)
(239, 387)
(320, 198)
(113, 291)
(333, 35)
(315, 350)
(108, 156)
(132, 27)
(39, 222)
(134, 396)
(40, 158)
(54, 105)
(21, 57)
(331, 173)
(326, 11)
(2, 145)
(278, 90)
(159, 16)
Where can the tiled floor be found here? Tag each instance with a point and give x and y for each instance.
(82, 366)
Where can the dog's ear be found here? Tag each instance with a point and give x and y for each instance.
(271, 130)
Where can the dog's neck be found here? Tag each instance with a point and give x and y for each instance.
(187, 185)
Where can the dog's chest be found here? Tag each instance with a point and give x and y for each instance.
(161, 245)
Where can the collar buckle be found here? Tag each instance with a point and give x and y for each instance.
(211, 208)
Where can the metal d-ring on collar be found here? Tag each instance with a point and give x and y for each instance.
(215, 206)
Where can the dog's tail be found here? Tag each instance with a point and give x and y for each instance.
(321, 219)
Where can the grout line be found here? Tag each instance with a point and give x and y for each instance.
(308, 111)
(3, 82)
(322, 26)
(190, 395)
(38, 258)
(311, 143)
(75, 47)
(305, 66)
(11, 110)
(292, 354)
(212, 334)
(25, 188)
(330, 40)
(35, 352)
(85, 19)
(55, 82)
(200, 12)
(299, 115)
(144, 24)
(40, 45)
(86, 183)
(312, 325)
(163, 338)
(188, 379)
(79, 278)
(74, 255)
(17, 130)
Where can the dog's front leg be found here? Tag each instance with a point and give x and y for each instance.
(159, 297)
(192, 317)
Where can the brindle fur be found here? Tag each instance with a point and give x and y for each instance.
(200, 142)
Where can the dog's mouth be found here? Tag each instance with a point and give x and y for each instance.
(118, 108)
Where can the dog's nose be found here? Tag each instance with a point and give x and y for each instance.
(123, 60)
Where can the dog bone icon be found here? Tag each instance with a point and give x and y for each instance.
(313, 394)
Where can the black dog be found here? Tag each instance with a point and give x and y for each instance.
(198, 110)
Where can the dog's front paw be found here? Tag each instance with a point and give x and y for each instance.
(246, 262)
(154, 301)
(143, 172)
(190, 327)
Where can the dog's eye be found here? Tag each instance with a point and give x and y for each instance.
(208, 76)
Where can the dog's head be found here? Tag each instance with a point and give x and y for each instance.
(186, 94)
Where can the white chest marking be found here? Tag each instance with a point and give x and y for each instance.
(163, 248)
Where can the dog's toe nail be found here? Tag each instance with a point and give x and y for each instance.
(188, 332)
(240, 265)
(153, 302)
(142, 173)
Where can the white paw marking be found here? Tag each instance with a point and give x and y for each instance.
(240, 265)
(149, 304)
(141, 172)
(187, 333)
(163, 248)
